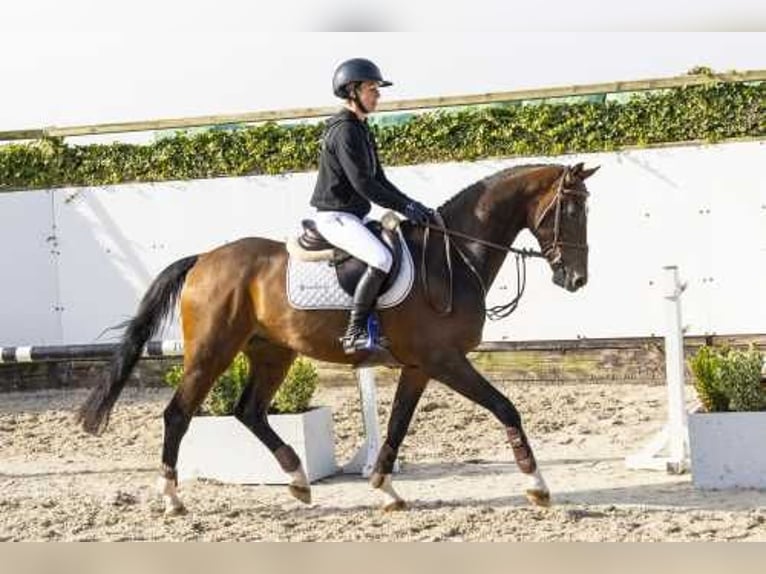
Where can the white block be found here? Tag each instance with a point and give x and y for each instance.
(727, 450)
(221, 448)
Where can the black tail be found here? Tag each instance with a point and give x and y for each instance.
(158, 301)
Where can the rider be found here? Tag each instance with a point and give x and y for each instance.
(350, 178)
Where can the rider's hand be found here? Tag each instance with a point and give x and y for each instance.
(419, 213)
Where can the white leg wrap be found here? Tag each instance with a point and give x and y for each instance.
(536, 482)
(168, 490)
(299, 477)
(390, 496)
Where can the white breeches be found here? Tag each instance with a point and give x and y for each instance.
(347, 232)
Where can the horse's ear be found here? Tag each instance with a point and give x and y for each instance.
(574, 172)
(586, 173)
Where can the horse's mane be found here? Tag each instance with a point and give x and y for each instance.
(468, 193)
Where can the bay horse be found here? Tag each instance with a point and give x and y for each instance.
(233, 299)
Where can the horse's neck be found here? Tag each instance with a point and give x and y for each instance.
(489, 214)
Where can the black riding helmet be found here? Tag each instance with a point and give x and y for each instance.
(355, 70)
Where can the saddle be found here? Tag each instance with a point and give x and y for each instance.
(312, 246)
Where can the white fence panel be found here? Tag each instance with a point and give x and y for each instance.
(702, 208)
(29, 307)
(115, 240)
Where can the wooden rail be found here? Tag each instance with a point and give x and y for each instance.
(400, 105)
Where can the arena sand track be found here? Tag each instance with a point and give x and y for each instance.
(57, 483)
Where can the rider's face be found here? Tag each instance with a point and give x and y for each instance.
(369, 95)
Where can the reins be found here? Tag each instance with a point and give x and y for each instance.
(493, 313)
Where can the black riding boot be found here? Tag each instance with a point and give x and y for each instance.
(365, 295)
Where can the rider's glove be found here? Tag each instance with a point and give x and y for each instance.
(418, 213)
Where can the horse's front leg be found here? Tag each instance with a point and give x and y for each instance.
(412, 382)
(456, 371)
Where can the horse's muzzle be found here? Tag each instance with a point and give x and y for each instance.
(575, 280)
(569, 280)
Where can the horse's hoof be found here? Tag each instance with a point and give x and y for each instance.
(395, 506)
(175, 510)
(302, 493)
(539, 497)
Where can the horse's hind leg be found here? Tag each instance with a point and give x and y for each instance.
(412, 382)
(207, 354)
(269, 364)
(455, 371)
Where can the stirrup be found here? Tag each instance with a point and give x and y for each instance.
(352, 344)
(368, 340)
(362, 342)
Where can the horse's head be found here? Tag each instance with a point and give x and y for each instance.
(559, 219)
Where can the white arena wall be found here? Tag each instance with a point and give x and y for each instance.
(77, 260)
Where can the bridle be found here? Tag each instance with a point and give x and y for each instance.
(552, 252)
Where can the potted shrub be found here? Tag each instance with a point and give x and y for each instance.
(219, 446)
(727, 437)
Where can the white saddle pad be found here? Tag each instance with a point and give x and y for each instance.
(314, 284)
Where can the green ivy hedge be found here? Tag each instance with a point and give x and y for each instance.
(713, 112)
(728, 379)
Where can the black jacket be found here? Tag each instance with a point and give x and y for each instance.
(350, 174)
